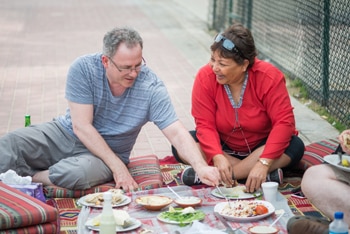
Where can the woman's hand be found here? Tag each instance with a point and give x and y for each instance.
(225, 169)
(256, 177)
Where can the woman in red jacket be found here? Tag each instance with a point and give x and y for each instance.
(244, 120)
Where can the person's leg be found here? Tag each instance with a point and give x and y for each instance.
(327, 187)
(35, 148)
(291, 156)
(42, 177)
(80, 172)
(295, 151)
(307, 224)
(178, 157)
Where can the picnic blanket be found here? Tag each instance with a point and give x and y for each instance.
(150, 221)
(69, 209)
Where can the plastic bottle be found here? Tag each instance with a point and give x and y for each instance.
(107, 223)
(338, 226)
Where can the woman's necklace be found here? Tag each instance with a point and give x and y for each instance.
(235, 106)
(229, 94)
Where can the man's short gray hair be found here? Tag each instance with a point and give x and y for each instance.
(116, 36)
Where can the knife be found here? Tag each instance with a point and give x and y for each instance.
(229, 229)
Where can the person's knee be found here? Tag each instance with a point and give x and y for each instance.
(174, 150)
(78, 173)
(312, 178)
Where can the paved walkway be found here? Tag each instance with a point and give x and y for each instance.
(39, 39)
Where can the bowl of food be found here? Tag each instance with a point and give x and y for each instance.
(154, 202)
(188, 201)
(262, 229)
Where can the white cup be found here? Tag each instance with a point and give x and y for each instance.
(270, 190)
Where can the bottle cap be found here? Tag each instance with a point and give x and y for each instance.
(107, 195)
(338, 215)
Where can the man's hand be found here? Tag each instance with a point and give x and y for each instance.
(208, 175)
(124, 180)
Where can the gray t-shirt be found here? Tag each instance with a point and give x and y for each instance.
(118, 119)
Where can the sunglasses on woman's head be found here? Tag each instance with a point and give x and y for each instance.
(228, 44)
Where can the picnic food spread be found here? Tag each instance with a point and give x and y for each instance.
(345, 162)
(181, 216)
(188, 201)
(121, 218)
(154, 202)
(237, 192)
(263, 230)
(244, 209)
(97, 198)
(346, 140)
(181, 213)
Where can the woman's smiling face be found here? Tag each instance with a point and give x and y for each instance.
(227, 71)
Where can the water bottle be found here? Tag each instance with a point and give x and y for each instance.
(107, 223)
(338, 226)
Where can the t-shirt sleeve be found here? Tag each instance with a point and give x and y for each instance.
(78, 85)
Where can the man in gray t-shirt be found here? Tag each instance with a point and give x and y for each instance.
(110, 97)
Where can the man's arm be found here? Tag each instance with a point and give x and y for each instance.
(82, 117)
(189, 150)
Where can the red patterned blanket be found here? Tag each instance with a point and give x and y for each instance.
(69, 210)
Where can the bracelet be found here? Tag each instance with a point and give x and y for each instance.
(264, 162)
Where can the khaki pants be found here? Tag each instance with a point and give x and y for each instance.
(48, 146)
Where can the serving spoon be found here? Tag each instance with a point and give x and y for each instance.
(222, 194)
(278, 218)
(175, 192)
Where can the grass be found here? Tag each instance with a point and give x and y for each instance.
(297, 89)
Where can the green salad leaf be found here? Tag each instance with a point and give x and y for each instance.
(182, 218)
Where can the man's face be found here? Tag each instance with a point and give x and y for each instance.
(123, 68)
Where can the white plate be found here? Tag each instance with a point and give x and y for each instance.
(125, 200)
(235, 193)
(220, 206)
(135, 224)
(174, 222)
(333, 159)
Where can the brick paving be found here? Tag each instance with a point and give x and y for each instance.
(39, 39)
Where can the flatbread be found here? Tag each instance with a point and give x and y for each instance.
(346, 140)
(121, 218)
(97, 198)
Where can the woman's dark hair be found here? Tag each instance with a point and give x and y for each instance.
(244, 42)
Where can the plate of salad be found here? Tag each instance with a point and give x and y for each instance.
(181, 216)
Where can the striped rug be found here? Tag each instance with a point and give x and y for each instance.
(69, 210)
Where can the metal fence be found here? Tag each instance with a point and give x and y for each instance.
(307, 40)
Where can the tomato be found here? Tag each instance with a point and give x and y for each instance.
(261, 209)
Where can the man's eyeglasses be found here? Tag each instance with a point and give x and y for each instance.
(129, 69)
(228, 44)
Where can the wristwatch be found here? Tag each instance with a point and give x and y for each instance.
(264, 162)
